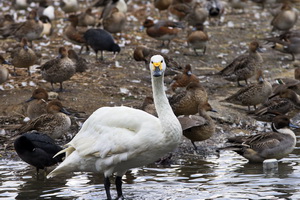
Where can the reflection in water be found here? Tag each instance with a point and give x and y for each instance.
(229, 177)
(226, 177)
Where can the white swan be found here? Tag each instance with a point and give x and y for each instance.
(115, 139)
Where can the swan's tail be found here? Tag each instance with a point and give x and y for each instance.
(65, 165)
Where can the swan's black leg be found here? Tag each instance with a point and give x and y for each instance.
(107, 187)
(119, 187)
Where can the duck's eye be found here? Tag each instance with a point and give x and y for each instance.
(152, 62)
(162, 61)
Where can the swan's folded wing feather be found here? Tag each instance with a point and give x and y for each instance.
(104, 136)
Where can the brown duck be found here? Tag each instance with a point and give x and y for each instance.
(162, 30)
(198, 127)
(182, 80)
(276, 144)
(55, 123)
(58, 69)
(23, 57)
(73, 35)
(244, 66)
(4, 73)
(37, 103)
(187, 102)
(253, 94)
(30, 29)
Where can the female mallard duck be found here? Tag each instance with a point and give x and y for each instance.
(80, 63)
(286, 18)
(272, 108)
(198, 15)
(287, 101)
(253, 94)
(4, 73)
(69, 6)
(87, 18)
(37, 103)
(182, 80)
(73, 35)
(55, 123)
(198, 127)
(115, 139)
(23, 57)
(187, 102)
(30, 29)
(115, 21)
(291, 47)
(37, 149)
(276, 144)
(244, 66)
(180, 9)
(58, 69)
(287, 42)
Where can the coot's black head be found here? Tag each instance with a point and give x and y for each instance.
(116, 48)
(23, 144)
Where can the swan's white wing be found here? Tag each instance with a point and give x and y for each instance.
(114, 130)
(110, 136)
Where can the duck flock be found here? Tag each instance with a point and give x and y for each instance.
(108, 85)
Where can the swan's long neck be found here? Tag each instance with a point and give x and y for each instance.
(164, 111)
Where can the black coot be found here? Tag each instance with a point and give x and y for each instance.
(37, 149)
(101, 40)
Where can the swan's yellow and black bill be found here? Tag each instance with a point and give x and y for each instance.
(157, 68)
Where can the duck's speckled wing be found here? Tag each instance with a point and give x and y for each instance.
(41, 121)
(262, 141)
(231, 68)
(177, 97)
(49, 64)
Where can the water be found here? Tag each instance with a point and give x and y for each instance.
(226, 177)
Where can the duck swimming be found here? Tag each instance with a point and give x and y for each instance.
(277, 144)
